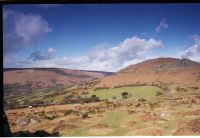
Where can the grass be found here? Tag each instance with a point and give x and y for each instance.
(118, 120)
(135, 91)
(57, 98)
(114, 119)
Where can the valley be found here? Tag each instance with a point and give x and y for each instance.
(157, 97)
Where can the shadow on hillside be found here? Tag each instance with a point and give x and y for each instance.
(38, 133)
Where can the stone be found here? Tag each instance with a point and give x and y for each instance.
(23, 121)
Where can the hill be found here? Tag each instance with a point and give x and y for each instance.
(23, 79)
(171, 72)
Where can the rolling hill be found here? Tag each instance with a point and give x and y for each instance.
(40, 78)
(171, 72)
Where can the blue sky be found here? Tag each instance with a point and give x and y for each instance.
(106, 37)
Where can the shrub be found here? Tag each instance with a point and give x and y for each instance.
(114, 97)
(37, 102)
(26, 101)
(178, 88)
(138, 105)
(158, 93)
(67, 112)
(85, 92)
(11, 104)
(142, 100)
(91, 99)
(70, 99)
(195, 88)
(85, 115)
(51, 117)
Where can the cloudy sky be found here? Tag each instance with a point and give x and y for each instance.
(103, 37)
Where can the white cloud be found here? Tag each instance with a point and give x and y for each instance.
(103, 57)
(192, 52)
(107, 58)
(30, 27)
(22, 30)
(163, 25)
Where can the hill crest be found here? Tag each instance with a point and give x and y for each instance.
(169, 71)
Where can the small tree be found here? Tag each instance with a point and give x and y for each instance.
(124, 95)
(158, 93)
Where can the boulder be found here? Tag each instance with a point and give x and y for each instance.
(35, 120)
(23, 121)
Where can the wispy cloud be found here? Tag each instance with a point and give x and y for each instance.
(39, 56)
(22, 30)
(196, 38)
(163, 25)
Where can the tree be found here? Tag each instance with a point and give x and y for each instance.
(124, 95)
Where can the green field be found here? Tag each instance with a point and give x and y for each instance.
(135, 91)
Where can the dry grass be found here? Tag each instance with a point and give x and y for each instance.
(121, 121)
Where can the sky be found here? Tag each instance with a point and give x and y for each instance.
(101, 37)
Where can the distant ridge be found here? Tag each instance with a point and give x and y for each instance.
(50, 76)
(39, 68)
